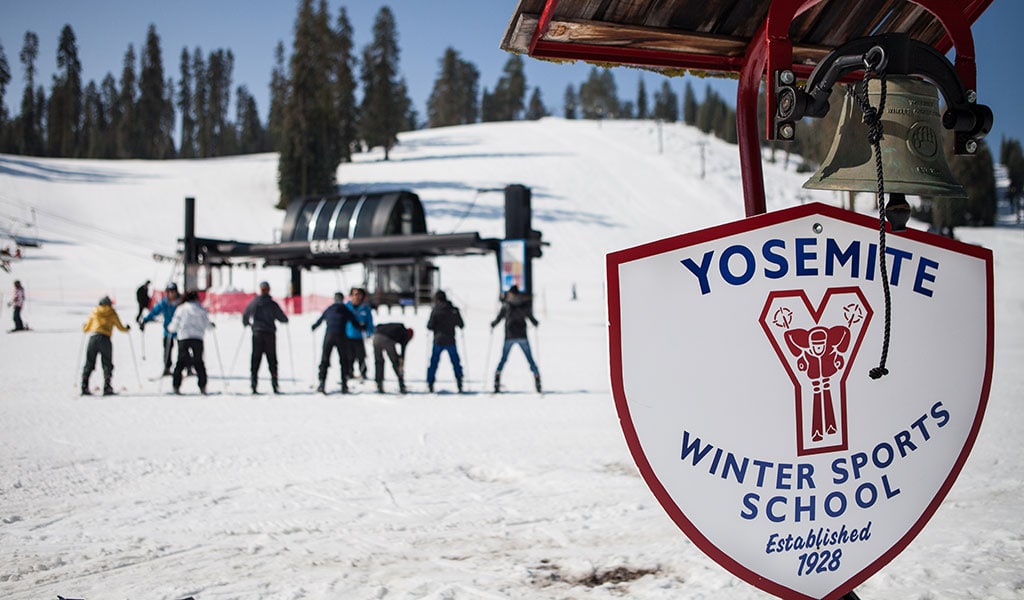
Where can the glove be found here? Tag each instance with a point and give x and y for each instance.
(213, 325)
(127, 328)
(313, 328)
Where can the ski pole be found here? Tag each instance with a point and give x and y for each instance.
(487, 357)
(238, 349)
(142, 341)
(291, 355)
(465, 354)
(312, 348)
(135, 364)
(81, 358)
(220, 363)
(536, 344)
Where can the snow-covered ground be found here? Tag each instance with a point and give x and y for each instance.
(146, 495)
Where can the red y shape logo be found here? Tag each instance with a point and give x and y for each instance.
(817, 346)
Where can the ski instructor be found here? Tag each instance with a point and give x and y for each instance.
(261, 314)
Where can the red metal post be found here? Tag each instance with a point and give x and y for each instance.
(542, 25)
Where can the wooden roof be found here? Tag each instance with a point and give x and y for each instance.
(710, 35)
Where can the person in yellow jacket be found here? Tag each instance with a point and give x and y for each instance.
(101, 324)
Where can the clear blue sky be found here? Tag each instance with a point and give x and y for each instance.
(104, 28)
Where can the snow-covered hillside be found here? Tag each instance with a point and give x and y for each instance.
(146, 495)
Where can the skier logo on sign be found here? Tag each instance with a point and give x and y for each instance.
(817, 347)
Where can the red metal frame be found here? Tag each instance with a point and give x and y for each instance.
(768, 52)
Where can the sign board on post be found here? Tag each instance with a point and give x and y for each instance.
(512, 258)
(739, 361)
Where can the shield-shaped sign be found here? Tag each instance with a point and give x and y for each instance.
(740, 360)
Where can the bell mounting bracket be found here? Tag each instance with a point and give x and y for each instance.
(891, 54)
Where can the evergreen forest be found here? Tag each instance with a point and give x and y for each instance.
(329, 100)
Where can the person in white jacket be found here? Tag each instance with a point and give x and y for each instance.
(190, 323)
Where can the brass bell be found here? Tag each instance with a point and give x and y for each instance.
(913, 161)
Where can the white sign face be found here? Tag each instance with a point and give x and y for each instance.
(740, 360)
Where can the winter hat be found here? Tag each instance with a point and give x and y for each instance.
(409, 331)
(264, 285)
(440, 296)
(105, 301)
(338, 296)
(514, 289)
(171, 287)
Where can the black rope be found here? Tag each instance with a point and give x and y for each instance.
(873, 119)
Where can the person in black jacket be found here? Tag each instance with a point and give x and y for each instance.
(386, 338)
(142, 298)
(444, 318)
(261, 314)
(336, 316)
(516, 311)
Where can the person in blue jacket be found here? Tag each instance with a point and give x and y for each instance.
(337, 317)
(165, 310)
(356, 333)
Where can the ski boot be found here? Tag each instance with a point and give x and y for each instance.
(458, 383)
(430, 386)
(85, 387)
(401, 386)
(321, 389)
(108, 390)
(497, 382)
(536, 382)
(380, 387)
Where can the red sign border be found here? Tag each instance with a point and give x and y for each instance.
(615, 259)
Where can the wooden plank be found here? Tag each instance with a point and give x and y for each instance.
(641, 38)
(605, 34)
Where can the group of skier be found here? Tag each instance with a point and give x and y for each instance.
(348, 322)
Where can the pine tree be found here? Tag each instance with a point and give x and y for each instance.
(706, 111)
(126, 127)
(385, 107)
(507, 101)
(92, 117)
(488, 110)
(250, 131)
(975, 172)
(187, 148)
(154, 140)
(1012, 157)
(309, 154)
(201, 106)
(278, 99)
(453, 98)
(30, 134)
(346, 112)
(6, 140)
(598, 95)
(107, 144)
(666, 104)
(219, 65)
(641, 100)
(689, 105)
(64, 118)
(570, 102)
(535, 109)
